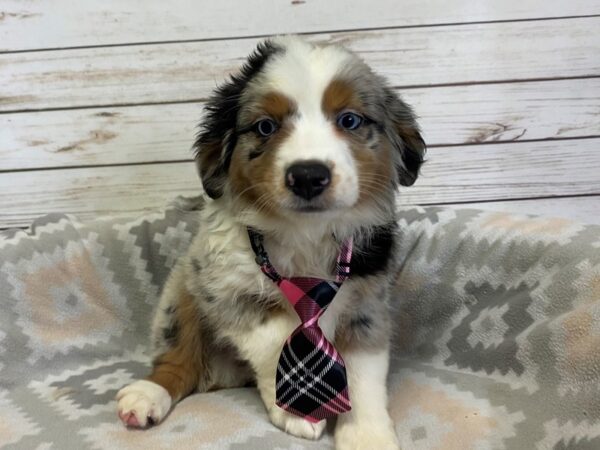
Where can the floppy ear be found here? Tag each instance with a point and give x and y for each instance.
(210, 167)
(403, 132)
(217, 137)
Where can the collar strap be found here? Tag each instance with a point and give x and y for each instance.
(261, 256)
(342, 267)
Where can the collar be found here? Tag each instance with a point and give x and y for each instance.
(342, 267)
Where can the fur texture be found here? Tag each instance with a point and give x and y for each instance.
(220, 321)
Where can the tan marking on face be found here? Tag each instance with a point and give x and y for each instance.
(179, 370)
(375, 170)
(338, 96)
(277, 106)
(272, 104)
(258, 181)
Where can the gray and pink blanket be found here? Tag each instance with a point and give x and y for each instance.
(497, 341)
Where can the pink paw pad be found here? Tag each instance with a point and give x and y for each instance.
(129, 419)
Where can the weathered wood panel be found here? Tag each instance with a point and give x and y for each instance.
(408, 57)
(508, 171)
(450, 115)
(63, 23)
(97, 136)
(455, 174)
(441, 69)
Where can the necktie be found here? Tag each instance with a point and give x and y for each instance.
(311, 374)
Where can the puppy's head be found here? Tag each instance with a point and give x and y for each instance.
(304, 129)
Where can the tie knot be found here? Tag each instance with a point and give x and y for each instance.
(309, 296)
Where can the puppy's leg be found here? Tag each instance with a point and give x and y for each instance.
(179, 367)
(368, 424)
(262, 346)
(362, 338)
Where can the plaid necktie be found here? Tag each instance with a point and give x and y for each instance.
(311, 374)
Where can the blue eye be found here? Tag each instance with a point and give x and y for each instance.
(266, 127)
(349, 121)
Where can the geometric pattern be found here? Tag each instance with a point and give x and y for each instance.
(498, 331)
(67, 298)
(196, 422)
(14, 424)
(489, 328)
(89, 389)
(465, 421)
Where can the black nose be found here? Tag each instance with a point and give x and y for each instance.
(307, 179)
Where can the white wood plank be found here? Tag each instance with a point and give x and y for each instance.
(455, 174)
(64, 23)
(508, 112)
(578, 209)
(407, 57)
(93, 192)
(97, 136)
(450, 115)
(508, 171)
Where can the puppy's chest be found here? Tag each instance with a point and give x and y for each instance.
(303, 261)
(243, 296)
(227, 266)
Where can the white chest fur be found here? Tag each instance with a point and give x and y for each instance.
(230, 270)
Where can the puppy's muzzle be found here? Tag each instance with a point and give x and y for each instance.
(307, 179)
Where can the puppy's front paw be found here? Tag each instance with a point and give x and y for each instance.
(350, 436)
(143, 403)
(295, 425)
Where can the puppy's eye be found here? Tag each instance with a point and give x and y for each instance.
(266, 127)
(349, 121)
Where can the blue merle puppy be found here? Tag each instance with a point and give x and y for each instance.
(309, 146)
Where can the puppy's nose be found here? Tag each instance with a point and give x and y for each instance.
(307, 179)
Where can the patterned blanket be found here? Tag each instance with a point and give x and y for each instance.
(497, 345)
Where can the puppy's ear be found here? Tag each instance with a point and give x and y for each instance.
(403, 132)
(218, 137)
(211, 167)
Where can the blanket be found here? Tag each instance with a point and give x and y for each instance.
(496, 345)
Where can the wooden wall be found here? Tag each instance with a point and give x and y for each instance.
(99, 99)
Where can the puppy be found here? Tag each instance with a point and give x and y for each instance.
(309, 146)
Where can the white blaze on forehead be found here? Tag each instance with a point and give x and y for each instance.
(303, 73)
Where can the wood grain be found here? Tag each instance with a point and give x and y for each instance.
(63, 23)
(407, 57)
(449, 115)
(97, 136)
(109, 125)
(508, 171)
(455, 174)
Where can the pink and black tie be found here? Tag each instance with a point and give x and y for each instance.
(311, 374)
